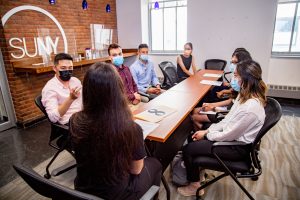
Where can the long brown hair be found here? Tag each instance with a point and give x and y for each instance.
(105, 124)
(252, 84)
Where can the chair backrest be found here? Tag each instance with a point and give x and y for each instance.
(48, 188)
(273, 114)
(215, 64)
(169, 71)
(38, 103)
(56, 129)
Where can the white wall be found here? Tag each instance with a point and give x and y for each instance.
(284, 71)
(129, 23)
(216, 28)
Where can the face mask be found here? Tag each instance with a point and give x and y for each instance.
(232, 67)
(65, 75)
(144, 57)
(235, 85)
(118, 61)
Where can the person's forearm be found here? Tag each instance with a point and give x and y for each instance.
(63, 108)
(188, 72)
(222, 103)
(194, 69)
(227, 91)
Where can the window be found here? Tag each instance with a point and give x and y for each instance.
(167, 25)
(286, 40)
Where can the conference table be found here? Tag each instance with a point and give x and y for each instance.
(167, 139)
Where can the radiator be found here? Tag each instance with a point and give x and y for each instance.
(284, 91)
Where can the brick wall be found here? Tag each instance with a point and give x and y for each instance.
(73, 19)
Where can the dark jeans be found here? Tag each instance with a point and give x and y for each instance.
(203, 148)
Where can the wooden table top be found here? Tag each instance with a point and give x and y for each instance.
(182, 97)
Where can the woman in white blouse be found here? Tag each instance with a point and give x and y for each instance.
(242, 123)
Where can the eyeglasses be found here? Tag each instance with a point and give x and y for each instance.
(187, 49)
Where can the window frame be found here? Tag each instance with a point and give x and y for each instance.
(150, 8)
(294, 54)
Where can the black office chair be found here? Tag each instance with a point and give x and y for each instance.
(215, 64)
(57, 191)
(170, 74)
(249, 167)
(226, 76)
(59, 139)
(50, 188)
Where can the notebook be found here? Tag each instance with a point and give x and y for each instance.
(212, 75)
(147, 127)
(208, 82)
(155, 114)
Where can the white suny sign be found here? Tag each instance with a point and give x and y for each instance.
(42, 45)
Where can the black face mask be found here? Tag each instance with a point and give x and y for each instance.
(65, 75)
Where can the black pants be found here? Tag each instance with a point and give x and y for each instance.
(203, 148)
(150, 175)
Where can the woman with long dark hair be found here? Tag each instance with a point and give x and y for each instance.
(109, 146)
(242, 123)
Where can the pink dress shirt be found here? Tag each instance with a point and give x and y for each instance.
(54, 94)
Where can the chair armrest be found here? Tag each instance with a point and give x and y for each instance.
(150, 193)
(231, 143)
(144, 94)
(221, 115)
(226, 77)
(61, 126)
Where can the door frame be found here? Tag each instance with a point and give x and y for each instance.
(6, 98)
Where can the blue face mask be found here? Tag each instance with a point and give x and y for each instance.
(118, 61)
(235, 85)
(144, 57)
(232, 67)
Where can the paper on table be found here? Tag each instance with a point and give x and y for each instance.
(212, 75)
(207, 112)
(155, 114)
(147, 127)
(221, 109)
(210, 112)
(208, 82)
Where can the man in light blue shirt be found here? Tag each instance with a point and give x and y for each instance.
(143, 73)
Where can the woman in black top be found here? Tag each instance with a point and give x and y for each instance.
(108, 144)
(185, 61)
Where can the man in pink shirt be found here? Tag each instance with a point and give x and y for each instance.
(61, 96)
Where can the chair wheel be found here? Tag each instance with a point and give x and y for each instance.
(47, 176)
(254, 179)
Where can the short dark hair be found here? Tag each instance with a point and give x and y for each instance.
(62, 56)
(143, 46)
(242, 55)
(113, 46)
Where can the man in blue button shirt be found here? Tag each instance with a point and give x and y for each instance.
(143, 73)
